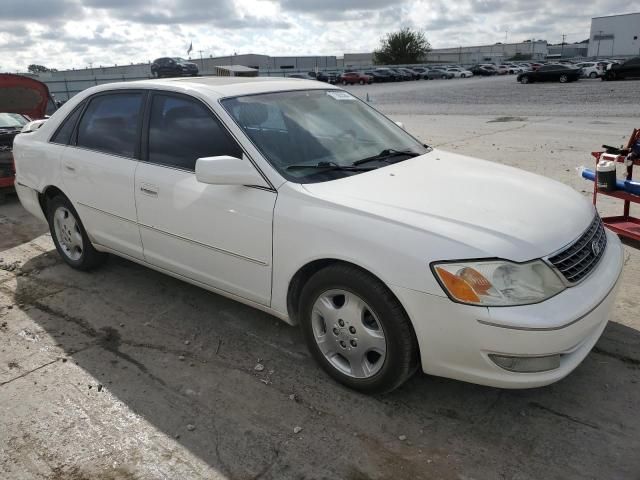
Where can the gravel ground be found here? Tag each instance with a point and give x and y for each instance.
(125, 373)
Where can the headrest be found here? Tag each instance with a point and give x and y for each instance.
(252, 114)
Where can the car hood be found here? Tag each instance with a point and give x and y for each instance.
(488, 209)
(20, 94)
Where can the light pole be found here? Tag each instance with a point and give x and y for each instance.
(201, 60)
(599, 38)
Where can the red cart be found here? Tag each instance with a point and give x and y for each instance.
(624, 225)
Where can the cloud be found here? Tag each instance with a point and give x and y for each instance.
(75, 33)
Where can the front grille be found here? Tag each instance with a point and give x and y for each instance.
(578, 260)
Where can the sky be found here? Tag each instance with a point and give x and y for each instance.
(79, 33)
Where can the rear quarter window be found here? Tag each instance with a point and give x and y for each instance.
(65, 130)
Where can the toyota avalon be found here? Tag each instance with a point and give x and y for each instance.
(303, 201)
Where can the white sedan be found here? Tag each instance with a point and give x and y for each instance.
(301, 200)
(460, 72)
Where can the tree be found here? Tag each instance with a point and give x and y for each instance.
(34, 68)
(402, 47)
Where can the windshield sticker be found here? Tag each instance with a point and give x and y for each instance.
(339, 95)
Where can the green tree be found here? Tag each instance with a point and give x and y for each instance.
(402, 47)
(34, 68)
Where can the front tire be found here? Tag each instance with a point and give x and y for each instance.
(593, 75)
(357, 330)
(524, 80)
(70, 237)
(563, 79)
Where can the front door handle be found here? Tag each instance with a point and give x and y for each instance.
(69, 167)
(149, 189)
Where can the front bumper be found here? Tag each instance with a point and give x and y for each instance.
(456, 340)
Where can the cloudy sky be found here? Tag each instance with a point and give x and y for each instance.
(78, 33)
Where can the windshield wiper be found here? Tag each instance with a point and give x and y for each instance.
(331, 166)
(386, 154)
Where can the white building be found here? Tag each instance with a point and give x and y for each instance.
(496, 53)
(615, 36)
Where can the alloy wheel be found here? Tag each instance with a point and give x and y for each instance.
(348, 333)
(68, 233)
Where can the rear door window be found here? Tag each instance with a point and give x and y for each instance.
(65, 130)
(110, 124)
(181, 130)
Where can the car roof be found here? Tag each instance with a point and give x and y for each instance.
(219, 87)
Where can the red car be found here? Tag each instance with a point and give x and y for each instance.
(351, 78)
(22, 99)
(535, 66)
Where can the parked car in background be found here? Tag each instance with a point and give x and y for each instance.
(483, 71)
(422, 71)
(590, 69)
(535, 66)
(460, 72)
(322, 77)
(22, 99)
(379, 76)
(628, 69)
(513, 68)
(315, 210)
(392, 74)
(502, 69)
(173, 67)
(351, 78)
(401, 75)
(439, 73)
(411, 72)
(10, 125)
(551, 73)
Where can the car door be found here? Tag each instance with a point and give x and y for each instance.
(98, 169)
(219, 235)
(631, 68)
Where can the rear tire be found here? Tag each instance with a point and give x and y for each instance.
(524, 80)
(563, 78)
(593, 75)
(70, 237)
(369, 345)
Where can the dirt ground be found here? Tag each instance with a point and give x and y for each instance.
(125, 373)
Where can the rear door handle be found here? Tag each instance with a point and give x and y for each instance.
(147, 189)
(69, 167)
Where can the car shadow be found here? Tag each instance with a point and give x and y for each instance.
(186, 361)
(17, 226)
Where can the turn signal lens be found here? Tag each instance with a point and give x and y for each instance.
(458, 287)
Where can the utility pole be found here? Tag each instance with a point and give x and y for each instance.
(599, 37)
(562, 45)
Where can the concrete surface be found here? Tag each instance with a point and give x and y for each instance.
(125, 373)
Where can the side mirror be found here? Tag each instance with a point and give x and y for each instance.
(400, 124)
(226, 170)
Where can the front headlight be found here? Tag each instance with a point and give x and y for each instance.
(498, 282)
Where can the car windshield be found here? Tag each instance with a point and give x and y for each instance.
(179, 60)
(317, 135)
(12, 120)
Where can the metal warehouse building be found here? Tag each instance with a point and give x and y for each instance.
(615, 36)
(496, 53)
